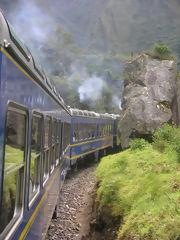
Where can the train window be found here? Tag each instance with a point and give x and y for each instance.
(104, 129)
(93, 130)
(64, 132)
(86, 130)
(58, 141)
(35, 160)
(100, 130)
(46, 161)
(66, 135)
(111, 129)
(75, 132)
(80, 131)
(86, 135)
(97, 130)
(14, 168)
(90, 130)
(54, 140)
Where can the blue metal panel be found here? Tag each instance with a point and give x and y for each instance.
(90, 146)
(15, 86)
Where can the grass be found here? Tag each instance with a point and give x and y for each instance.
(161, 52)
(143, 187)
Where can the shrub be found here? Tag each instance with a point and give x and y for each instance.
(138, 143)
(161, 51)
(176, 148)
(167, 139)
(166, 134)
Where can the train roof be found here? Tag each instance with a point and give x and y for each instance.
(86, 113)
(22, 55)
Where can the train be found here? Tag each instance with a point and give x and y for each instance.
(40, 139)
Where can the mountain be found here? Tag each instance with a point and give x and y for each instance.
(81, 40)
(120, 26)
(114, 26)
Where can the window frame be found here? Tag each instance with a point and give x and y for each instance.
(53, 144)
(32, 200)
(58, 141)
(16, 220)
(46, 151)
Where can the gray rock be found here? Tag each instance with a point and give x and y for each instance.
(149, 97)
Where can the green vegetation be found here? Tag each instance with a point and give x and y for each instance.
(130, 75)
(167, 140)
(162, 52)
(138, 143)
(142, 185)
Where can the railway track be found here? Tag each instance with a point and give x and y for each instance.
(75, 206)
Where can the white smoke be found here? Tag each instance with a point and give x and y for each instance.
(91, 89)
(117, 101)
(31, 22)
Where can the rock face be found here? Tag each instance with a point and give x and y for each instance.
(149, 97)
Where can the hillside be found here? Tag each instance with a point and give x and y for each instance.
(138, 190)
(122, 26)
(113, 26)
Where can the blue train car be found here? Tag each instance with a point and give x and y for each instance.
(40, 138)
(34, 141)
(90, 133)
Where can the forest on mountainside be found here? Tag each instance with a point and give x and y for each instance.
(82, 44)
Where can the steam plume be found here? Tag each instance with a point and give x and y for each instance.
(91, 89)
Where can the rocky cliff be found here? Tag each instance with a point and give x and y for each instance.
(150, 97)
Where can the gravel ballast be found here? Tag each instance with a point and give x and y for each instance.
(75, 206)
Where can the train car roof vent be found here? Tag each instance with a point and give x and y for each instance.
(54, 90)
(48, 82)
(38, 68)
(62, 100)
(18, 43)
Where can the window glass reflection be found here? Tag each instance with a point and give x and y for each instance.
(13, 181)
(36, 138)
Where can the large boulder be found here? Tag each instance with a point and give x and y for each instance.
(149, 97)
